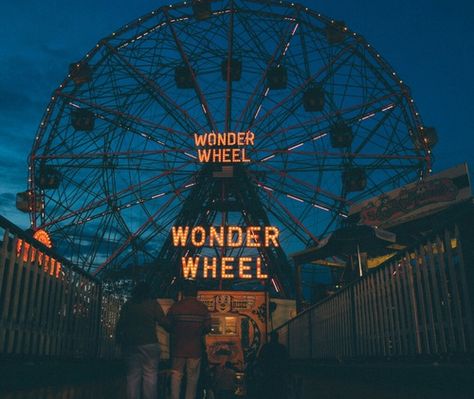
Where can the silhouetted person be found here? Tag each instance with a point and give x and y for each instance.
(136, 333)
(273, 363)
(224, 381)
(189, 322)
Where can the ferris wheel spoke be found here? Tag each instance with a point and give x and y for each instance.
(141, 241)
(159, 234)
(292, 95)
(295, 194)
(113, 188)
(373, 130)
(132, 118)
(378, 188)
(130, 204)
(158, 94)
(336, 155)
(141, 229)
(146, 124)
(290, 227)
(111, 198)
(100, 155)
(205, 107)
(369, 108)
(302, 183)
(102, 238)
(230, 44)
(261, 84)
(281, 114)
(293, 218)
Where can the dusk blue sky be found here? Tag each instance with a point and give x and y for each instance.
(430, 43)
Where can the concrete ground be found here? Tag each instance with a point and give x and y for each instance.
(386, 381)
(84, 380)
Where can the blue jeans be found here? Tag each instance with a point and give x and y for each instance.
(193, 367)
(142, 371)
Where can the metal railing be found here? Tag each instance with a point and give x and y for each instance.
(48, 307)
(416, 305)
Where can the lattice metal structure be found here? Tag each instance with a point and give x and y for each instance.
(114, 160)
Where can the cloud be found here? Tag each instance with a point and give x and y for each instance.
(7, 202)
(6, 197)
(18, 104)
(9, 211)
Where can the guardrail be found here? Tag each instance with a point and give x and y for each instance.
(49, 307)
(416, 305)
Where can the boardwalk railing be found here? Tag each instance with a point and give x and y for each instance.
(48, 307)
(416, 305)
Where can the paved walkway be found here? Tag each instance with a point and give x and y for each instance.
(384, 381)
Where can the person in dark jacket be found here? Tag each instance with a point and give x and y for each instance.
(136, 333)
(224, 381)
(189, 321)
(273, 362)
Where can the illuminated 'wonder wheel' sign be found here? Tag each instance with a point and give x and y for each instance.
(217, 114)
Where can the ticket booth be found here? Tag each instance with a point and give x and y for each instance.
(238, 325)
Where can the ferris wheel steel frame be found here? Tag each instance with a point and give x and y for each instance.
(142, 155)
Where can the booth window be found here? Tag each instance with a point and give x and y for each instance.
(224, 325)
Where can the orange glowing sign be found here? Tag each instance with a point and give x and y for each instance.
(228, 267)
(50, 265)
(223, 147)
(43, 237)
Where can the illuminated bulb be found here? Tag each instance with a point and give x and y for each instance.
(243, 268)
(260, 275)
(271, 234)
(190, 266)
(230, 235)
(252, 237)
(218, 236)
(225, 267)
(179, 235)
(198, 230)
(212, 267)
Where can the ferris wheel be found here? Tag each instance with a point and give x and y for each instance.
(114, 164)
